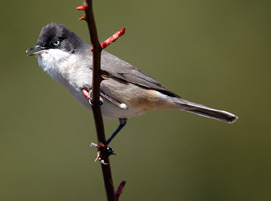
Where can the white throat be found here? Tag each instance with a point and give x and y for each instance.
(66, 68)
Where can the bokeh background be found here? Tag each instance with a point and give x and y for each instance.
(212, 52)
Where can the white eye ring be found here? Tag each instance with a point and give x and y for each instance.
(56, 42)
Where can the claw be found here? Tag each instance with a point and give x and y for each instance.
(110, 151)
(101, 102)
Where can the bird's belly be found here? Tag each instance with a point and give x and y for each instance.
(137, 99)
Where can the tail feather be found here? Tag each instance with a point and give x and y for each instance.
(206, 111)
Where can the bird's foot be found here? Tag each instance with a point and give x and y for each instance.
(102, 148)
(101, 102)
(87, 94)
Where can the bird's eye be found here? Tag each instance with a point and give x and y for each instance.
(56, 43)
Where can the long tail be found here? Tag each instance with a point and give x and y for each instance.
(205, 111)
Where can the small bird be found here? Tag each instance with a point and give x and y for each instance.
(126, 91)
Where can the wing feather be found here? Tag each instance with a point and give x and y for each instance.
(116, 68)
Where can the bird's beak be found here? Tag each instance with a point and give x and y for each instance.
(36, 47)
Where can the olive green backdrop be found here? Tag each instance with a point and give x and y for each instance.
(213, 52)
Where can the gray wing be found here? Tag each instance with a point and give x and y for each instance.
(116, 68)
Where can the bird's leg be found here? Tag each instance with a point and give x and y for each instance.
(123, 122)
(110, 150)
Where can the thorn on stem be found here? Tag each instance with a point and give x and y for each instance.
(82, 18)
(120, 189)
(83, 7)
(104, 78)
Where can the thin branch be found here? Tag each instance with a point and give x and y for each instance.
(112, 38)
(95, 96)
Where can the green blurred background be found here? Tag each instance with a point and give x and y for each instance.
(212, 52)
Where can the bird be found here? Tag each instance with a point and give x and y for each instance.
(125, 92)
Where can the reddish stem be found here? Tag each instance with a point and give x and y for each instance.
(95, 99)
(95, 96)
